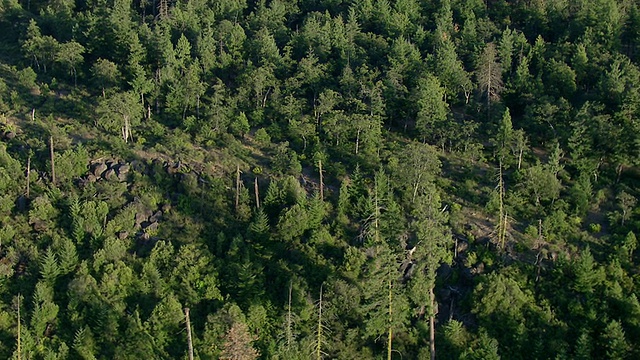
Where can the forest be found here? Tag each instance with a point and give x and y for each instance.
(319, 179)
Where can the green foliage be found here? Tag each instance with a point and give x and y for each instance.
(71, 164)
(588, 276)
(285, 160)
(432, 109)
(262, 137)
(544, 91)
(614, 341)
(49, 267)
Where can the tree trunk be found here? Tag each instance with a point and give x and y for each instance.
(520, 158)
(19, 350)
(415, 188)
(432, 325)
(289, 322)
(502, 231)
(319, 330)
(237, 187)
(189, 340)
(257, 192)
(28, 175)
(52, 156)
(321, 180)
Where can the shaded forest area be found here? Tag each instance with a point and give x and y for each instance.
(393, 179)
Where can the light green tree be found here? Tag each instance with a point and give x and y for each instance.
(120, 112)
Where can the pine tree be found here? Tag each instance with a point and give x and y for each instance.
(237, 344)
(489, 75)
(49, 267)
(430, 251)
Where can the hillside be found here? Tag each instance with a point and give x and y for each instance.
(282, 179)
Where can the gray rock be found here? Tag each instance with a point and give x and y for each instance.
(123, 169)
(123, 235)
(138, 166)
(157, 216)
(109, 174)
(9, 135)
(478, 269)
(150, 227)
(39, 225)
(91, 178)
(462, 246)
(166, 208)
(140, 218)
(98, 169)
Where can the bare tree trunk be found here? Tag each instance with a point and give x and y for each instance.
(321, 180)
(189, 341)
(501, 230)
(28, 175)
(53, 165)
(19, 345)
(432, 325)
(237, 187)
(257, 192)
(319, 330)
(415, 188)
(289, 321)
(33, 114)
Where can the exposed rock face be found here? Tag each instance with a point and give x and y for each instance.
(141, 217)
(150, 227)
(98, 169)
(109, 174)
(123, 169)
(166, 208)
(157, 216)
(174, 168)
(138, 166)
(39, 225)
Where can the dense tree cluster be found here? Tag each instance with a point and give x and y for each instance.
(281, 179)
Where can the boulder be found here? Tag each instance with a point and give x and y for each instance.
(150, 227)
(138, 166)
(141, 218)
(166, 208)
(9, 135)
(39, 225)
(157, 216)
(462, 246)
(98, 169)
(123, 235)
(123, 169)
(109, 174)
